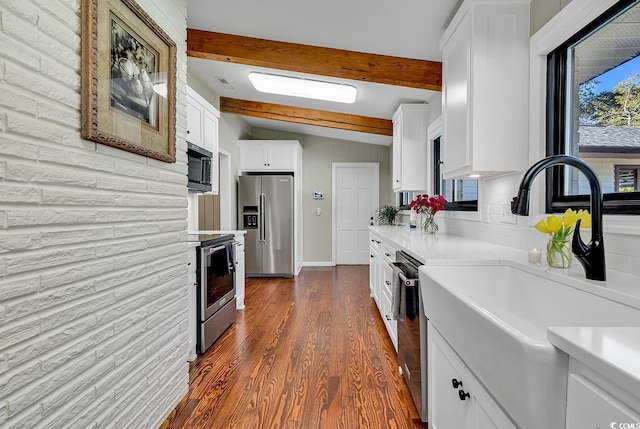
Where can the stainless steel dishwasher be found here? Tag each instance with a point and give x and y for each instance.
(412, 333)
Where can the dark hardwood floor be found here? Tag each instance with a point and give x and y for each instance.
(308, 352)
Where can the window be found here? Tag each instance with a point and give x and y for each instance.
(462, 194)
(404, 199)
(627, 178)
(593, 111)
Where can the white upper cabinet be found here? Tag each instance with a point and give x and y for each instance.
(485, 73)
(410, 148)
(268, 155)
(202, 130)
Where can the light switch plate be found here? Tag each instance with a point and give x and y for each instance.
(485, 214)
(505, 214)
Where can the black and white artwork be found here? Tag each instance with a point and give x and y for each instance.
(133, 68)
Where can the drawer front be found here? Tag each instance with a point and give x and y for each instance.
(589, 406)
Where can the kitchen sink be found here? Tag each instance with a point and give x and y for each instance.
(496, 318)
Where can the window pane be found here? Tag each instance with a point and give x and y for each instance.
(627, 178)
(603, 99)
(460, 190)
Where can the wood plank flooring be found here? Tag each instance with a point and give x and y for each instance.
(308, 352)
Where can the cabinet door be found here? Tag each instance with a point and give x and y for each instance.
(211, 144)
(590, 407)
(397, 153)
(456, 57)
(372, 268)
(253, 158)
(485, 413)
(446, 409)
(281, 158)
(195, 122)
(239, 278)
(192, 285)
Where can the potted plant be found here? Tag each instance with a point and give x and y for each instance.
(387, 215)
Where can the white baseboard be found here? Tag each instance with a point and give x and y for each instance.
(319, 264)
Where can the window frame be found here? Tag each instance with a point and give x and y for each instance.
(632, 167)
(460, 206)
(627, 203)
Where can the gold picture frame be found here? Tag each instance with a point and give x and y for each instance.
(128, 76)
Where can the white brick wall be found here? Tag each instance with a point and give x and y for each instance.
(92, 241)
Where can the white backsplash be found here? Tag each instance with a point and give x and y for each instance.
(621, 233)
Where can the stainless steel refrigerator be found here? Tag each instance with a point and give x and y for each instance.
(265, 211)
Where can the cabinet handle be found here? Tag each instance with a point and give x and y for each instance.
(387, 282)
(371, 256)
(463, 395)
(387, 316)
(187, 131)
(456, 383)
(388, 255)
(378, 242)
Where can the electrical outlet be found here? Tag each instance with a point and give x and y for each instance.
(485, 214)
(506, 215)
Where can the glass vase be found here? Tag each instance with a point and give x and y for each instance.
(429, 224)
(559, 253)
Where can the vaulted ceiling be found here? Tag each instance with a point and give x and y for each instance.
(388, 51)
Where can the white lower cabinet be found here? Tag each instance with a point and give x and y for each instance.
(373, 266)
(192, 290)
(386, 311)
(456, 398)
(382, 254)
(590, 406)
(239, 277)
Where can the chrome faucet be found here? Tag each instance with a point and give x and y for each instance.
(591, 255)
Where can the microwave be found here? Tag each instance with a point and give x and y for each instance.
(199, 162)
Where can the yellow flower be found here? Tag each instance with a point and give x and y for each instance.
(561, 227)
(550, 225)
(585, 218)
(569, 218)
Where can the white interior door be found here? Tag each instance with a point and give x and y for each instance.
(355, 197)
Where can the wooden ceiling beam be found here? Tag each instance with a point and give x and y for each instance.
(315, 60)
(302, 115)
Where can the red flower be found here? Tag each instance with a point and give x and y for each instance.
(423, 203)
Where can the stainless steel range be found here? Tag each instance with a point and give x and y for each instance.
(216, 300)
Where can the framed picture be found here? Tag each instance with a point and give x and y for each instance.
(128, 80)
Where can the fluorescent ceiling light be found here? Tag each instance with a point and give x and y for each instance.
(299, 87)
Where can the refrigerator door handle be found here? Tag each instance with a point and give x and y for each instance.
(263, 235)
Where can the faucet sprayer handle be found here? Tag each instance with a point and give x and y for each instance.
(591, 256)
(578, 247)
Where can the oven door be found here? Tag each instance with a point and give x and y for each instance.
(217, 286)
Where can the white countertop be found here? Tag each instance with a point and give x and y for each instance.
(441, 247)
(446, 249)
(194, 236)
(612, 351)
